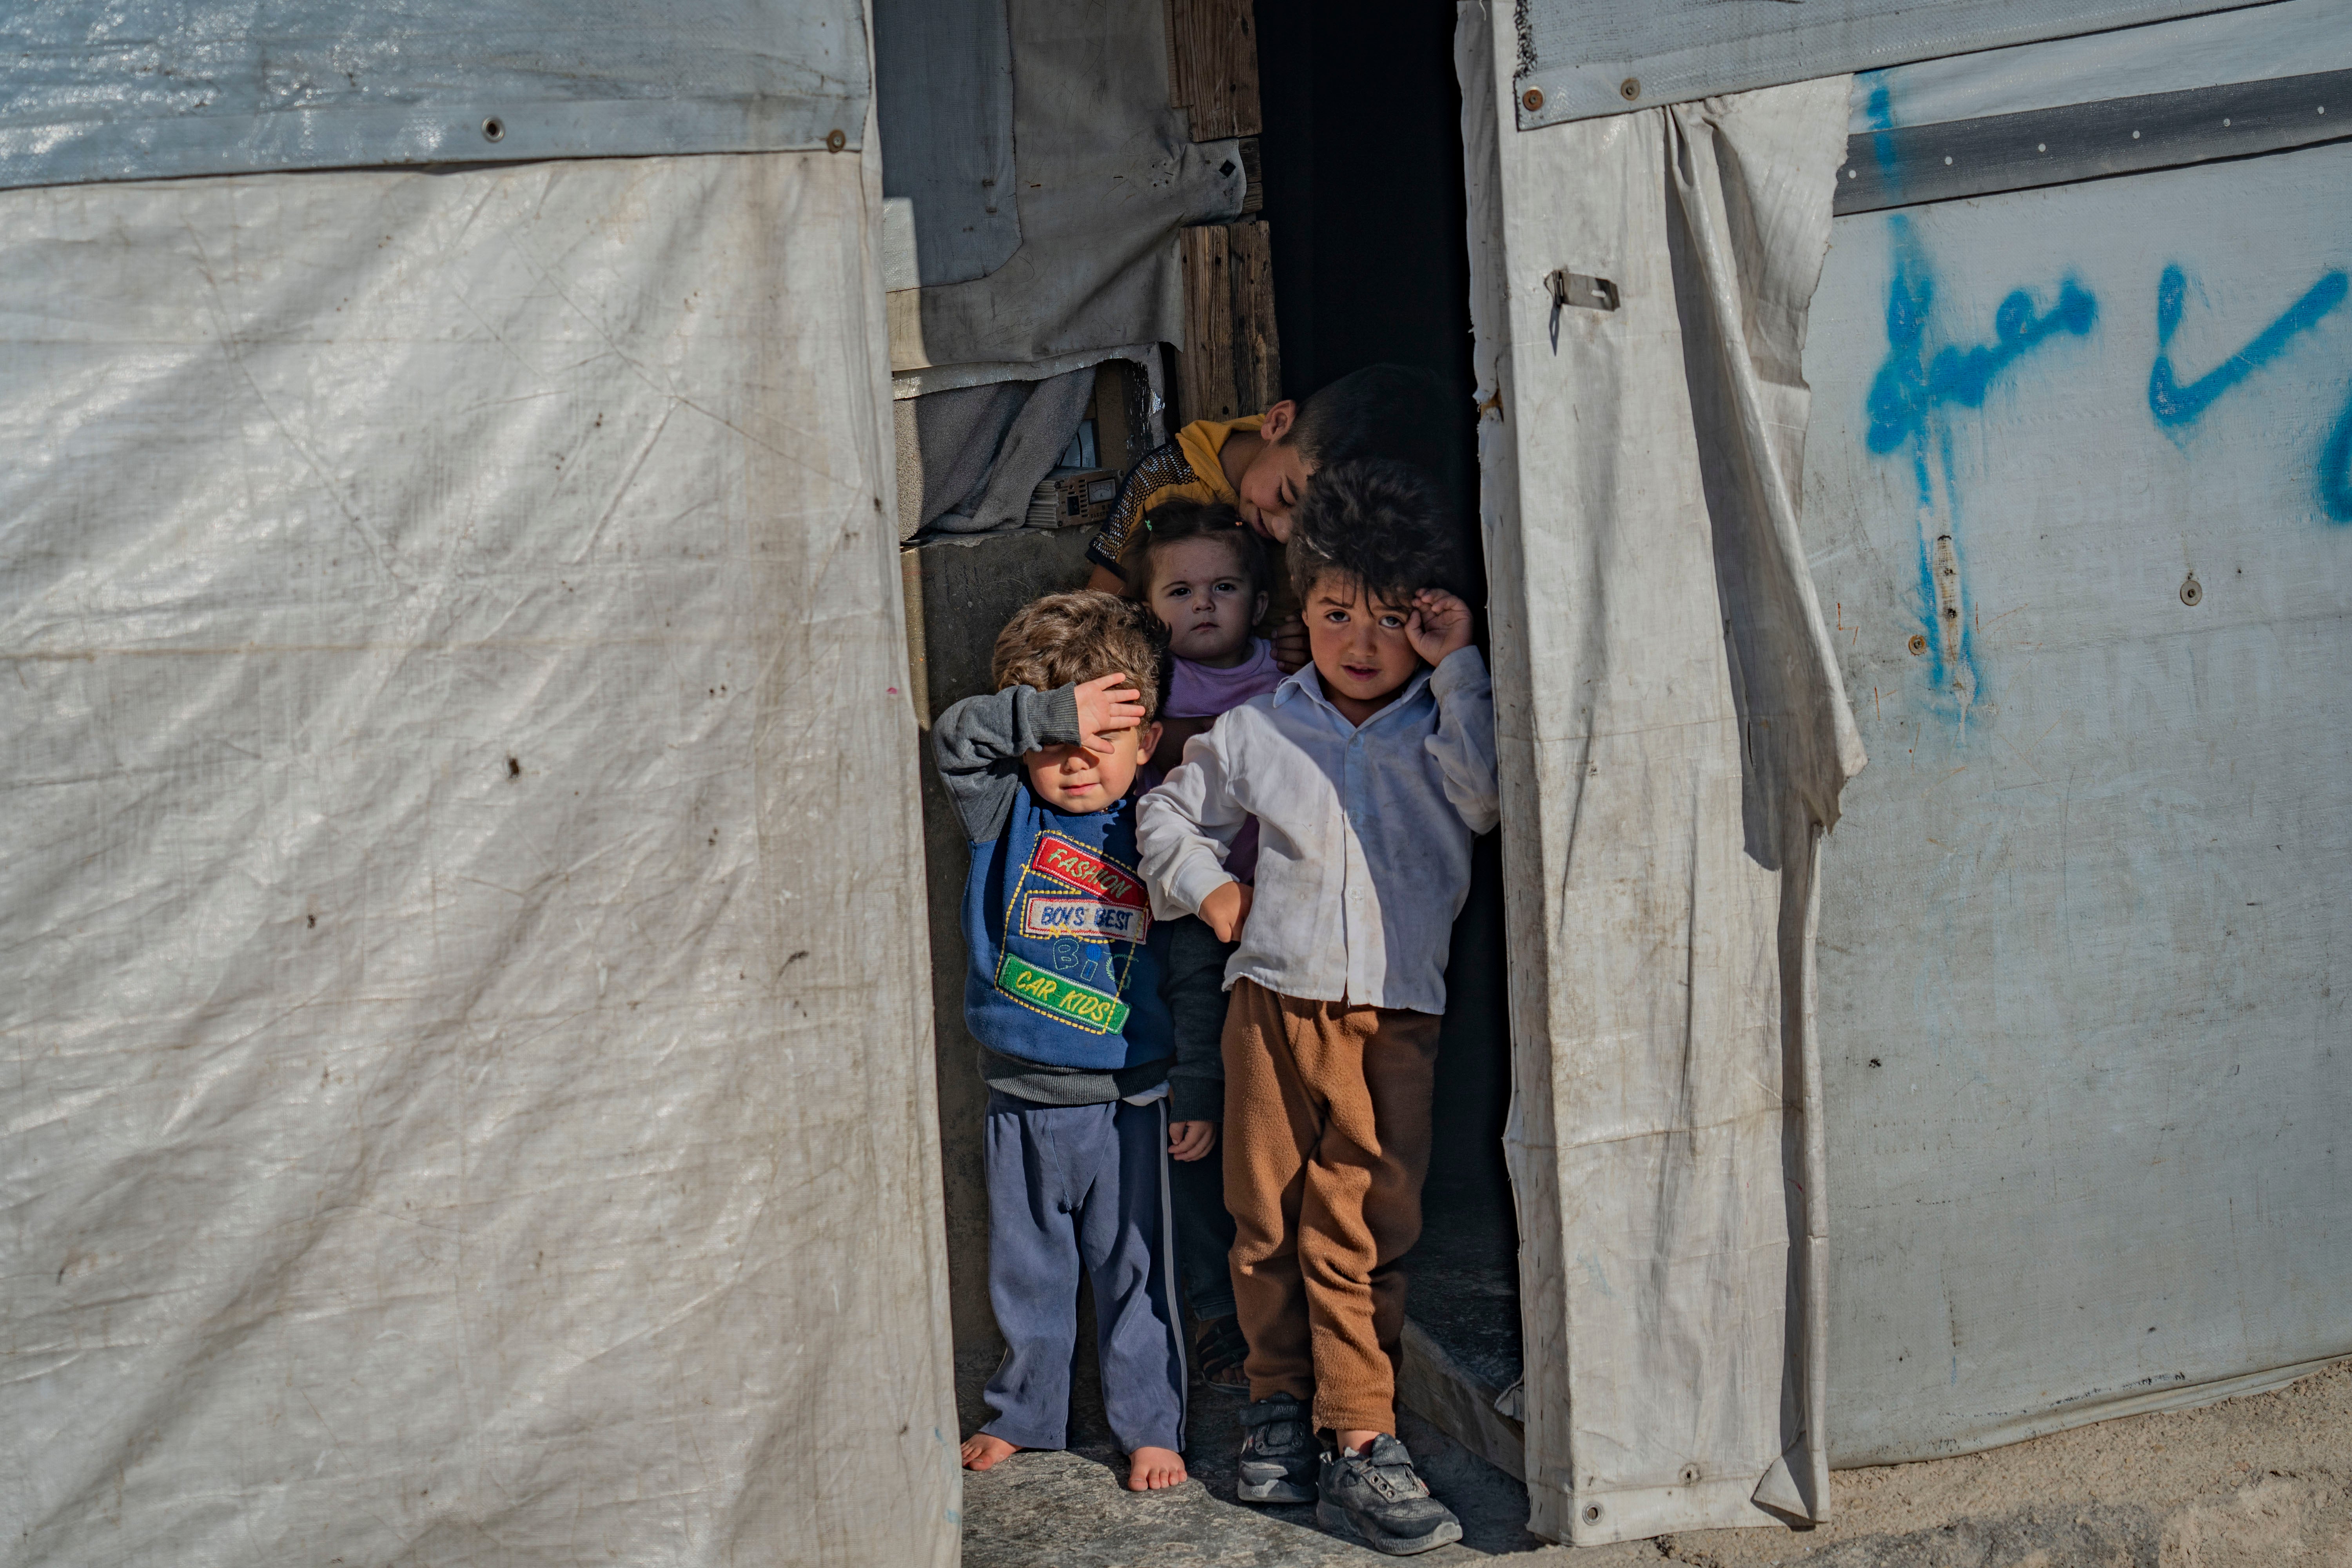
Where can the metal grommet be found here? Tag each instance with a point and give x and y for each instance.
(1532, 99)
(1918, 644)
(835, 140)
(2192, 592)
(1629, 89)
(494, 129)
(1592, 1513)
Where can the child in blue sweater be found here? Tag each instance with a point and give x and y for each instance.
(1064, 996)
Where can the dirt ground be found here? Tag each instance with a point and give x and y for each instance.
(2264, 1481)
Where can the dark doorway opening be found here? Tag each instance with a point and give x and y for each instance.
(1363, 171)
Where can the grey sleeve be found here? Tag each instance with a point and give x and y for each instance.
(979, 743)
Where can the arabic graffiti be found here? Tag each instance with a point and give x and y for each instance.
(1907, 390)
(2174, 404)
(1905, 397)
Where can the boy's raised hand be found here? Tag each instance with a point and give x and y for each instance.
(1106, 705)
(1439, 625)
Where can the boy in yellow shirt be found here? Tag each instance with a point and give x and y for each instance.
(1260, 464)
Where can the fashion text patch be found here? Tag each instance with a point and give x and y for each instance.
(1064, 861)
(1051, 915)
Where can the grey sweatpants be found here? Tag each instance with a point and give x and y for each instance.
(1072, 1186)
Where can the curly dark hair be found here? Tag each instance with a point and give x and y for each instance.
(1064, 639)
(1173, 521)
(1379, 521)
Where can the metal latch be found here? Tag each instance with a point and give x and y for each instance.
(1575, 288)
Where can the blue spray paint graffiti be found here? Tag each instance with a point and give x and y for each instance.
(1880, 111)
(2335, 469)
(1907, 392)
(2174, 404)
(1910, 388)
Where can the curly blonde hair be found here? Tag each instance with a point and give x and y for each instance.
(1062, 638)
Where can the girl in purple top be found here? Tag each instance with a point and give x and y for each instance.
(1206, 578)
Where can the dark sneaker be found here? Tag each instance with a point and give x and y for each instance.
(1376, 1494)
(1279, 1453)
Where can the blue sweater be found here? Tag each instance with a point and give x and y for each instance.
(1065, 967)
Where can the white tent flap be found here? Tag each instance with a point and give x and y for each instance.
(466, 1104)
(1676, 736)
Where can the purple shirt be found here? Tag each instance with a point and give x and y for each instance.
(1204, 691)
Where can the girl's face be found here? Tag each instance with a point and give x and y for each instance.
(1203, 596)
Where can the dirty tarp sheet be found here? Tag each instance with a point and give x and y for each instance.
(123, 89)
(470, 1096)
(1585, 57)
(1105, 174)
(1676, 736)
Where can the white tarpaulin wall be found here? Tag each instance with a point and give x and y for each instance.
(470, 1096)
(2075, 489)
(1674, 738)
(2087, 1076)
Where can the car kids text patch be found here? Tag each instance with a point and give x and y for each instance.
(1049, 915)
(1081, 1004)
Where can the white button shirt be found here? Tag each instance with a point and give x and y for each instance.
(1364, 834)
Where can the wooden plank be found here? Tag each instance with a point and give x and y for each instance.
(1204, 372)
(1212, 66)
(1256, 351)
(1451, 1398)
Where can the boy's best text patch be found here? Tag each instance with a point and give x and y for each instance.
(1049, 915)
(1082, 869)
(1082, 1005)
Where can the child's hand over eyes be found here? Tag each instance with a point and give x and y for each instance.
(1105, 706)
(1439, 625)
(1191, 1139)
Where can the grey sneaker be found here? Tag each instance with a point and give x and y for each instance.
(1376, 1494)
(1279, 1453)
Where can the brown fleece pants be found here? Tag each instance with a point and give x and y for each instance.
(1327, 1141)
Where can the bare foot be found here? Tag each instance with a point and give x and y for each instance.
(982, 1452)
(1154, 1469)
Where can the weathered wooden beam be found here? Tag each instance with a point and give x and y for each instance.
(1205, 387)
(1212, 66)
(1232, 360)
(1257, 353)
(1229, 363)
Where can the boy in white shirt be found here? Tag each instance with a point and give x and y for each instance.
(1369, 773)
